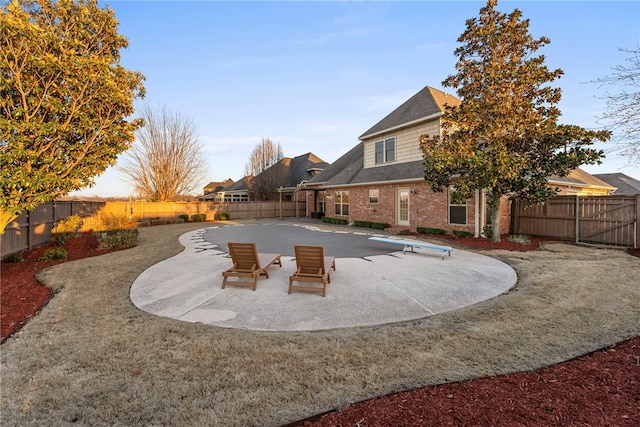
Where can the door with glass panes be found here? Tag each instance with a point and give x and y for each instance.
(402, 206)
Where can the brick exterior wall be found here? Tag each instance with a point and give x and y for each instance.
(426, 208)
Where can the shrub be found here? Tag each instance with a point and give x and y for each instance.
(119, 239)
(55, 253)
(184, 217)
(112, 222)
(223, 216)
(13, 258)
(487, 231)
(199, 217)
(340, 221)
(430, 230)
(462, 233)
(371, 224)
(64, 229)
(359, 223)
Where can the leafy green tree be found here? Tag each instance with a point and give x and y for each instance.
(64, 99)
(504, 136)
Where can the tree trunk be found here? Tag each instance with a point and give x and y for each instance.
(493, 206)
(5, 219)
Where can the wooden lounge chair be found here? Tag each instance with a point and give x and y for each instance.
(248, 263)
(312, 266)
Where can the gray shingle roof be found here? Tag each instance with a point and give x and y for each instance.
(626, 185)
(425, 103)
(348, 170)
(241, 184)
(299, 168)
(294, 170)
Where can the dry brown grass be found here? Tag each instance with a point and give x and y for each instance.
(91, 358)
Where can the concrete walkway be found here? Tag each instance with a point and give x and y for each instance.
(373, 284)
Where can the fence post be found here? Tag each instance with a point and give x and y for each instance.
(636, 238)
(577, 212)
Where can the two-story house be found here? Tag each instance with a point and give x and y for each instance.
(382, 178)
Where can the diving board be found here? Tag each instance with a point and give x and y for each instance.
(410, 244)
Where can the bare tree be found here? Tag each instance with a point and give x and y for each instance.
(166, 161)
(264, 155)
(264, 186)
(623, 115)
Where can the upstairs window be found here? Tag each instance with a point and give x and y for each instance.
(386, 151)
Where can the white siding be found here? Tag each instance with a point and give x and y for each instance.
(407, 143)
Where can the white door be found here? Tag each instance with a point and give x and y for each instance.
(402, 206)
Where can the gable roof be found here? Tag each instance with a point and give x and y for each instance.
(580, 178)
(215, 186)
(301, 167)
(424, 105)
(290, 172)
(242, 184)
(625, 185)
(348, 170)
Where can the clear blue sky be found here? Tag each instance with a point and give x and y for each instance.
(314, 76)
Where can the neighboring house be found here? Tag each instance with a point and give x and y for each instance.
(299, 170)
(580, 183)
(280, 181)
(624, 184)
(211, 189)
(236, 192)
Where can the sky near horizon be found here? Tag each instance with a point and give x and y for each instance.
(315, 75)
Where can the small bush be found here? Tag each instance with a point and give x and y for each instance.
(13, 258)
(519, 238)
(462, 233)
(487, 231)
(198, 217)
(379, 225)
(223, 216)
(55, 253)
(64, 229)
(430, 230)
(119, 239)
(184, 217)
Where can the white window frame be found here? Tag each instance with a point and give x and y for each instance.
(374, 196)
(340, 207)
(387, 146)
(452, 205)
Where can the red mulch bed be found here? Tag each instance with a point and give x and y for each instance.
(599, 389)
(21, 295)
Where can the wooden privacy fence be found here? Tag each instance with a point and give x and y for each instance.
(608, 220)
(33, 228)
